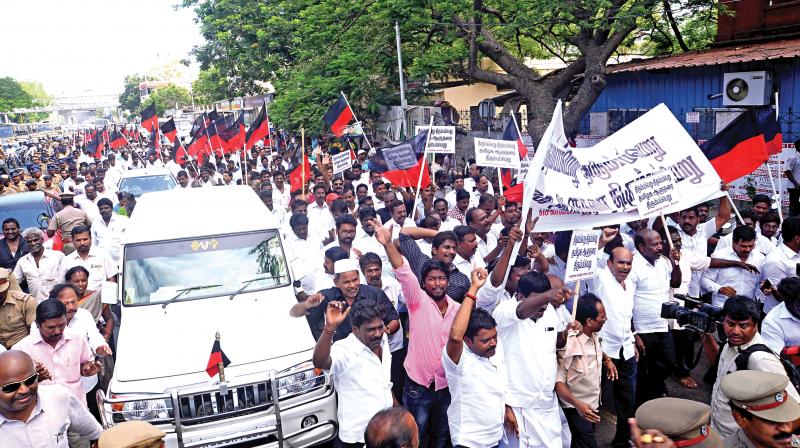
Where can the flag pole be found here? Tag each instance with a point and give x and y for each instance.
(519, 135)
(358, 122)
(303, 159)
(424, 161)
(780, 168)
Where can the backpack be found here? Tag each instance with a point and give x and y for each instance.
(743, 358)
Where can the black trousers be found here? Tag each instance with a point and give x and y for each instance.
(684, 341)
(794, 201)
(582, 430)
(624, 389)
(656, 364)
(398, 373)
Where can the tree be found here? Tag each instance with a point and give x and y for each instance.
(168, 97)
(311, 49)
(129, 99)
(211, 86)
(13, 95)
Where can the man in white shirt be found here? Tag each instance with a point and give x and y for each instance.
(728, 282)
(784, 261)
(763, 244)
(34, 415)
(529, 327)
(695, 235)
(107, 231)
(781, 328)
(98, 262)
(476, 374)
(88, 201)
(478, 220)
(399, 218)
(269, 202)
(616, 292)
(360, 365)
(300, 244)
(467, 255)
(652, 275)
(320, 219)
(440, 208)
(41, 268)
(365, 240)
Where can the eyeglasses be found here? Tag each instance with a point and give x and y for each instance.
(10, 388)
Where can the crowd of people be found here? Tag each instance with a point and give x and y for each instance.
(442, 314)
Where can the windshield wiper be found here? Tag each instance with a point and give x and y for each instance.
(247, 283)
(183, 291)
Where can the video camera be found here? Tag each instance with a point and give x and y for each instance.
(694, 315)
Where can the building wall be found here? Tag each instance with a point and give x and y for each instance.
(687, 89)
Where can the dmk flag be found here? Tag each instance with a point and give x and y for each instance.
(259, 129)
(296, 175)
(738, 149)
(179, 153)
(217, 357)
(510, 134)
(232, 137)
(169, 130)
(117, 139)
(338, 116)
(768, 125)
(149, 117)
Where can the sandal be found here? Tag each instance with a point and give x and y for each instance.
(687, 382)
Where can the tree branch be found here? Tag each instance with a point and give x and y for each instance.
(674, 25)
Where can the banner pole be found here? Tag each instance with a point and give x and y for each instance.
(500, 178)
(775, 194)
(733, 206)
(303, 158)
(356, 118)
(780, 167)
(575, 300)
(424, 161)
(519, 135)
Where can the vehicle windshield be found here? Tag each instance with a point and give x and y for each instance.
(29, 214)
(202, 267)
(147, 184)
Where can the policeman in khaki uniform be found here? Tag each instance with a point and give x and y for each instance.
(766, 414)
(66, 220)
(5, 190)
(132, 434)
(685, 422)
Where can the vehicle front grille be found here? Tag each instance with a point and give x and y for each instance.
(209, 406)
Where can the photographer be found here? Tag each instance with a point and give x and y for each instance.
(781, 327)
(740, 323)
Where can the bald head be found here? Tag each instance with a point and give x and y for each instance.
(555, 281)
(13, 362)
(16, 367)
(621, 253)
(392, 428)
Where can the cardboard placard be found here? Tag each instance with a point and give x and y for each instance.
(496, 153)
(582, 257)
(655, 193)
(442, 139)
(341, 162)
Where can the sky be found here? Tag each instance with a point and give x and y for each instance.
(77, 47)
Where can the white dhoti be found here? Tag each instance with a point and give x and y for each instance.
(540, 427)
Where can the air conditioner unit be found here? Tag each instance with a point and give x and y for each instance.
(747, 89)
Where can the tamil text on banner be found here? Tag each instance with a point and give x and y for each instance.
(496, 153)
(655, 193)
(569, 188)
(582, 257)
(341, 162)
(442, 139)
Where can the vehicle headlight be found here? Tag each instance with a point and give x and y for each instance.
(143, 410)
(303, 378)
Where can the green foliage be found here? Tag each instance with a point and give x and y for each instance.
(311, 49)
(210, 86)
(13, 95)
(129, 99)
(168, 98)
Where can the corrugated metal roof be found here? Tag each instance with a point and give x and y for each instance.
(761, 51)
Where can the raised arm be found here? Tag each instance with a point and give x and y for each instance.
(334, 316)
(384, 236)
(499, 272)
(455, 343)
(531, 305)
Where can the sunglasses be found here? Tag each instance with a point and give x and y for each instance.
(10, 388)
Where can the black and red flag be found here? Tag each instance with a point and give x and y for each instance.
(511, 134)
(401, 164)
(117, 139)
(217, 357)
(768, 125)
(155, 142)
(169, 130)
(199, 142)
(338, 116)
(179, 153)
(95, 145)
(259, 128)
(296, 175)
(738, 149)
(212, 131)
(149, 117)
(232, 137)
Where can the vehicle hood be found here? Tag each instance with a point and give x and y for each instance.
(253, 327)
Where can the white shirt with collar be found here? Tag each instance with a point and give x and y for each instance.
(618, 302)
(363, 382)
(650, 283)
(477, 389)
(391, 223)
(779, 264)
(448, 223)
(56, 411)
(320, 219)
(529, 346)
(698, 243)
(41, 278)
(108, 236)
(743, 281)
(364, 242)
(780, 329)
(99, 264)
(465, 266)
(763, 244)
(485, 247)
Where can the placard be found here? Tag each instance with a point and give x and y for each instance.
(656, 192)
(341, 162)
(693, 117)
(442, 139)
(582, 257)
(496, 153)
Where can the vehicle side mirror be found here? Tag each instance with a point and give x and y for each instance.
(108, 293)
(43, 220)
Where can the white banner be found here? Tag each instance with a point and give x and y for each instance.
(582, 257)
(656, 192)
(570, 188)
(341, 162)
(442, 139)
(496, 153)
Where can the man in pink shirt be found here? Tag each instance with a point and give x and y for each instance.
(430, 313)
(63, 352)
